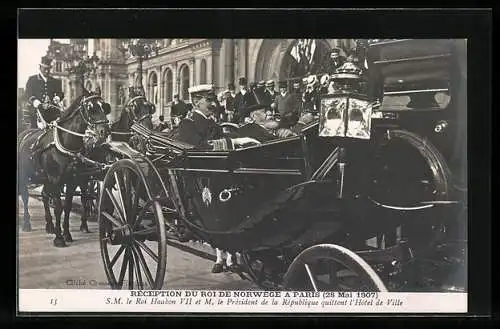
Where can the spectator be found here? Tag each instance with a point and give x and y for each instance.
(178, 111)
(243, 99)
(287, 106)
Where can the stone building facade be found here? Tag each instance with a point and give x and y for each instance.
(182, 63)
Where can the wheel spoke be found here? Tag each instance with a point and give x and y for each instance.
(112, 219)
(120, 194)
(128, 195)
(116, 256)
(135, 202)
(311, 277)
(147, 250)
(131, 270)
(149, 277)
(115, 204)
(123, 269)
(140, 215)
(137, 268)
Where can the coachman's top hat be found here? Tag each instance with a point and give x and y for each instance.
(46, 62)
(243, 81)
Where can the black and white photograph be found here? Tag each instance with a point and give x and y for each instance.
(302, 165)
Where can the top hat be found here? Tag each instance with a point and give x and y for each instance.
(257, 107)
(283, 84)
(243, 81)
(270, 83)
(46, 62)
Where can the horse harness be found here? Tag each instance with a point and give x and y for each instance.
(129, 108)
(54, 127)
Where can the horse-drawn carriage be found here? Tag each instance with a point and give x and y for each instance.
(362, 199)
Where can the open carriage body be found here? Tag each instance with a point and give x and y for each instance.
(298, 209)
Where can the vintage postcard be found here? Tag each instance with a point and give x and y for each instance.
(242, 175)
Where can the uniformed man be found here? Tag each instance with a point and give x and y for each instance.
(203, 132)
(287, 107)
(243, 99)
(42, 90)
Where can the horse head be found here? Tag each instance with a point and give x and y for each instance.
(87, 115)
(139, 110)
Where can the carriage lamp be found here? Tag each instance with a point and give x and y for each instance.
(346, 112)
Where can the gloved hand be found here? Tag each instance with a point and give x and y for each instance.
(36, 103)
(244, 140)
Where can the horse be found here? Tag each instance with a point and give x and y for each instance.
(49, 157)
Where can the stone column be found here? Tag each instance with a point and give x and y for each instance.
(210, 70)
(175, 77)
(228, 61)
(159, 106)
(191, 72)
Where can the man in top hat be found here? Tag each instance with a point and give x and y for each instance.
(259, 91)
(243, 99)
(297, 93)
(41, 90)
(270, 93)
(334, 61)
(287, 106)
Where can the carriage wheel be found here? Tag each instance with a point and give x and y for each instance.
(328, 267)
(408, 170)
(131, 229)
(256, 269)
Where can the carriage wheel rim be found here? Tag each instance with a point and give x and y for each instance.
(337, 254)
(134, 251)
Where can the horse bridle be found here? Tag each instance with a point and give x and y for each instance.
(134, 116)
(83, 110)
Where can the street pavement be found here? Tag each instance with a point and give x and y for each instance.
(79, 265)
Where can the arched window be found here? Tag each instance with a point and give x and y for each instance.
(203, 71)
(168, 85)
(185, 82)
(153, 88)
(88, 86)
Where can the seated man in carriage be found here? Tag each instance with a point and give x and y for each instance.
(44, 95)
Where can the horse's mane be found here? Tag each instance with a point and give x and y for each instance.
(72, 108)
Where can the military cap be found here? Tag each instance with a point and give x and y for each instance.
(200, 91)
(243, 81)
(46, 61)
